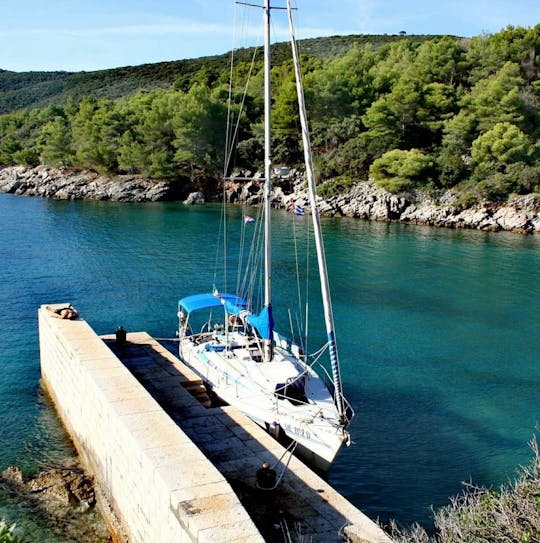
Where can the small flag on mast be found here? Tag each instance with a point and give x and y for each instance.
(248, 219)
(296, 209)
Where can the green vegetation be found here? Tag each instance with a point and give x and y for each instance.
(41, 89)
(336, 185)
(399, 170)
(510, 515)
(7, 535)
(411, 112)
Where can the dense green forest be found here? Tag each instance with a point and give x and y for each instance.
(411, 112)
(42, 89)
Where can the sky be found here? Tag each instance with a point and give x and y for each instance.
(87, 35)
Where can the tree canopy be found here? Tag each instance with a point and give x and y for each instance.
(411, 112)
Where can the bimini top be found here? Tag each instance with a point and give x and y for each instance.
(209, 300)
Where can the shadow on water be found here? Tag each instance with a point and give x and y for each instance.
(410, 452)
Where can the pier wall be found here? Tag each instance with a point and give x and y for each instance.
(160, 486)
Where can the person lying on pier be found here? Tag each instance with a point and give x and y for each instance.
(64, 313)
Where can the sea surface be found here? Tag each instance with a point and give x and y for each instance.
(439, 335)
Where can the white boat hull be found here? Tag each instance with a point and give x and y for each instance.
(248, 386)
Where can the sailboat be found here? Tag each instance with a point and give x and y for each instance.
(243, 359)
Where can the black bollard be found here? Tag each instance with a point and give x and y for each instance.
(266, 477)
(121, 336)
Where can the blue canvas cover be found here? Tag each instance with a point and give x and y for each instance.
(233, 307)
(208, 300)
(263, 322)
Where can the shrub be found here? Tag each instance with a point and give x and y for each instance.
(466, 199)
(27, 157)
(505, 143)
(352, 158)
(7, 535)
(339, 185)
(527, 178)
(399, 170)
(511, 515)
(451, 165)
(497, 187)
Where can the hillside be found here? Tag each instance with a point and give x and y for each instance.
(416, 114)
(20, 90)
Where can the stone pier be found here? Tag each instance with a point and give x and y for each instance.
(169, 467)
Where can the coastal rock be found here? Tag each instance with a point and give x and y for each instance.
(367, 201)
(62, 498)
(50, 485)
(194, 198)
(66, 486)
(511, 219)
(364, 199)
(12, 475)
(74, 184)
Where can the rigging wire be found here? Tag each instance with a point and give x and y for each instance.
(229, 99)
(299, 293)
(308, 267)
(231, 139)
(248, 275)
(290, 449)
(223, 221)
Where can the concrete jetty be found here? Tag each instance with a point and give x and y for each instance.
(168, 466)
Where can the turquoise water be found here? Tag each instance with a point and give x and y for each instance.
(438, 332)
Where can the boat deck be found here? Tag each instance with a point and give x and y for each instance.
(303, 504)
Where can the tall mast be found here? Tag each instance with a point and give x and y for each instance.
(323, 272)
(267, 177)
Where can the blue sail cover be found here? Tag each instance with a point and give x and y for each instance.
(234, 305)
(209, 301)
(263, 322)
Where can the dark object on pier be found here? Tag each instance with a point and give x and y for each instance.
(266, 477)
(121, 336)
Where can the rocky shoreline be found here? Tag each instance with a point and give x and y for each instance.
(60, 500)
(365, 200)
(75, 184)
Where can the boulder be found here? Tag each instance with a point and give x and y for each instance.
(60, 498)
(66, 486)
(194, 198)
(12, 475)
(509, 218)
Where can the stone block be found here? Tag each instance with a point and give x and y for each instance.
(130, 406)
(195, 470)
(199, 491)
(166, 455)
(240, 531)
(210, 512)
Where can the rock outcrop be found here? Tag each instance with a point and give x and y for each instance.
(364, 200)
(367, 201)
(74, 184)
(62, 498)
(194, 198)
